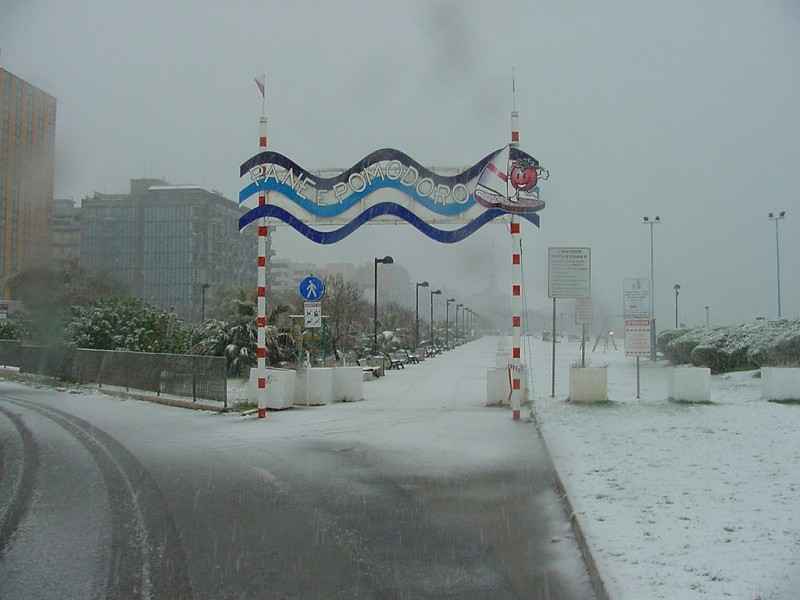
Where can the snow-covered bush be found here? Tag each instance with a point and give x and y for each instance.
(666, 336)
(744, 346)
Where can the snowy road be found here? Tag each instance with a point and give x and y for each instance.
(419, 492)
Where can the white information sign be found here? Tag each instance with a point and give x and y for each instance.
(569, 272)
(583, 311)
(637, 337)
(636, 298)
(313, 314)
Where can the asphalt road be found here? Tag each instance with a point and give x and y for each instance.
(418, 492)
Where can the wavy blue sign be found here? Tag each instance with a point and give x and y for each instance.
(504, 182)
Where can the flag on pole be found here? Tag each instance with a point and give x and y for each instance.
(261, 82)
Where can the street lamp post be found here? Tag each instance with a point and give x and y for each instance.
(778, 217)
(447, 322)
(433, 293)
(203, 288)
(462, 318)
(708, 316)
(677, 288)
(651, 223)
(416, 330)
(386, 260)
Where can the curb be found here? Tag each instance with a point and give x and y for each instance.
(595, 578)
(164, 401)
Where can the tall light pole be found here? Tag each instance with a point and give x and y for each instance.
(677, 289)
(203, 288)
(459, 305)
(708, 316)
(447, 322)
(778, 217)
(386, 260)
(433, 293)
(416, 334)
(651, 223)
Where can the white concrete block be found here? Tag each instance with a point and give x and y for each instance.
(497, 386)
(589, 384)
(314, 387)
(689, 384)
(348, 384)
(280, 388)
(780, 383)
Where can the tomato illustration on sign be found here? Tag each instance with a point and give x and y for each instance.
(523, 176)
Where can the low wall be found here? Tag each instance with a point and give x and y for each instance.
(780, 383)
(689, 384)
(588, 384)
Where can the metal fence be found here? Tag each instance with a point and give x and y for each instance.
(187, 375)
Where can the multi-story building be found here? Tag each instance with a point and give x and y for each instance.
(65, 231)
(167, 243)
(27, 136)
(285, 275)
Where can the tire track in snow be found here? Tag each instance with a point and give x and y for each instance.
(23, 490)
(147, 558)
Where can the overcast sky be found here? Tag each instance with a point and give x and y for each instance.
(684, 109)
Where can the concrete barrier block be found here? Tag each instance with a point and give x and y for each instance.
(280, 388)
(588, 384)
(348, 384)
(497, 386)
(780, 383)
(314, 387)
(689, 384)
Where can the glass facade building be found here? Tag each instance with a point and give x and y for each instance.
(163, 243)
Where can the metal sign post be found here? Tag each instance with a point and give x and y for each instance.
(636, 312)
(569, 275)
(583, 317)
(637, 342)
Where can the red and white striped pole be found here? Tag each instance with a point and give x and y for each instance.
(261, 290)
(516, 290)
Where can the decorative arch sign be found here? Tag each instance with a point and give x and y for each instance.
(390, 186)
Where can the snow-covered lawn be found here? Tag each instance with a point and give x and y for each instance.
(679, 501)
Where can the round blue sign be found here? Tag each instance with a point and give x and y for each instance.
(311, 289)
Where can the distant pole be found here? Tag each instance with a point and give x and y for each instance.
(553, 374)
(447, 323)
(677, 288)
(637, 377)
(203, 289)
(416, 335)
(777, 217)
(433, 293)
(708, 317)
(651, 223)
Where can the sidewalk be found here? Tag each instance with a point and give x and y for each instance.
(678, 501)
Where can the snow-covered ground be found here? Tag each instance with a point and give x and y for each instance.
(678, 501)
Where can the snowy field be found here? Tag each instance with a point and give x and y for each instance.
(678, 501)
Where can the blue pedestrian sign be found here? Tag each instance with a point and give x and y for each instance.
(312, 289)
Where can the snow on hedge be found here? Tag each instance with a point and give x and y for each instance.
(744, 346)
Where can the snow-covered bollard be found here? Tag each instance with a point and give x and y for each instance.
(348, 384)
(497, 386)
(780, 384)
(588, 384)
(689, 384)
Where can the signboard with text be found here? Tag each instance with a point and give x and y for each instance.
(636, 298)
(313, 314)
(637, 337)
(569, 272)
(583, 311)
